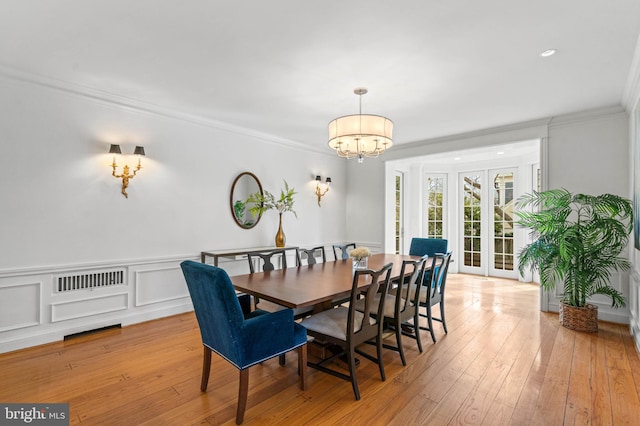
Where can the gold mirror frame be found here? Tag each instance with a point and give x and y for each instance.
(244, 184)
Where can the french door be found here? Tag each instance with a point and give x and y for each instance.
(399, 212)
(487, 222)
(471, 225)
(501, 225)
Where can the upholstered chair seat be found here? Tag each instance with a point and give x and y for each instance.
(333, 322)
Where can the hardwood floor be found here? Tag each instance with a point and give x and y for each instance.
(502, 363)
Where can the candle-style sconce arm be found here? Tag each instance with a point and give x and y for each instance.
(321, 188)
(126, 176)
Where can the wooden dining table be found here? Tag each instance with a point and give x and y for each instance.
(313, 285)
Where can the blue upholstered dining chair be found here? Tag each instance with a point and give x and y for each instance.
(242, 338)
(428, 246)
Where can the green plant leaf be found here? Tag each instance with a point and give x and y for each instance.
(577, 240)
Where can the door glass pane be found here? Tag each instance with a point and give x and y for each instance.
(472, 217)
(435, 207)
(503, 221)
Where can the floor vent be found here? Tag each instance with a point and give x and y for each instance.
(90, 280)
(95, 330)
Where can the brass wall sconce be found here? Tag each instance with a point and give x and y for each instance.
(321, 188)
(125, 175)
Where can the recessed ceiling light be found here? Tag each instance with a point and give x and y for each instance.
(456, 158)
(548, 52)
(500, 152)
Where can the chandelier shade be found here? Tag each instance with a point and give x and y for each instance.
(360, 135)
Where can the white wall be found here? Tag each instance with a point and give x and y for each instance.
(60, 204)
(365, 202)
(589, 153)
(61, 210)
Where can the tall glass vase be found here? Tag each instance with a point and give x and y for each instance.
(280, 237)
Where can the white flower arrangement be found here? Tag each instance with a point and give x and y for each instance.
(360, 253)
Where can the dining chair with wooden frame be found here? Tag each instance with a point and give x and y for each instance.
(348, 328)
(401, 313)
(433, 291)
(343, 249)
(268, 265)
(310, 255)
(267, 259)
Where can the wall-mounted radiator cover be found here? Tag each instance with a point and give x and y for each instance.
(89, 280)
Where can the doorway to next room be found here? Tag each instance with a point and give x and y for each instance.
(466, 197)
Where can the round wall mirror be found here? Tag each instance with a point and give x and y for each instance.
(245, 184)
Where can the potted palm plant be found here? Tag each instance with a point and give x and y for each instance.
(577, 240)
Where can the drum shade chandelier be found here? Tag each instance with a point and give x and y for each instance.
(360, 135)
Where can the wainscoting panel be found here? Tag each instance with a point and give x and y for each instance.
(88, 307)
(45, 304)
(24, 313)
(159, 285)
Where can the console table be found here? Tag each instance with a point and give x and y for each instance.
(232, 253)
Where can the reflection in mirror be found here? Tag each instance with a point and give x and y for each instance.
(245, 184)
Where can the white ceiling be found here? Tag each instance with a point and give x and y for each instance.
(287, 67)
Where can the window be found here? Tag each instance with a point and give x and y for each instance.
(503, 221)
(472, 229)
(434, 210)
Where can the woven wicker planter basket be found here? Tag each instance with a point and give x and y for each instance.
(579, 319)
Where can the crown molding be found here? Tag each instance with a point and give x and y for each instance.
(515, 132)
(604, 113)
(140, 106)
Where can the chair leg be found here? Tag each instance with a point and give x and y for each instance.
(416, 330)
(206, 369)
(352, 372)
(379, 351)
(398, 327)
(302, 367)
(282, 359)
(430, 320)
(444, 323)
(243, 390)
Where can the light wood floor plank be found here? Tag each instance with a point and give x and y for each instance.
(579, 396)
(625, 406)
(502, 363)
